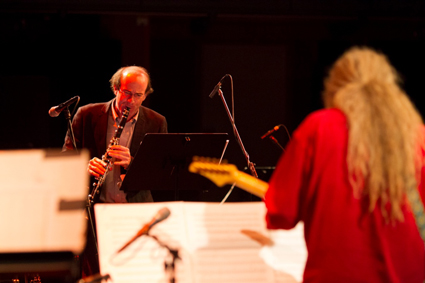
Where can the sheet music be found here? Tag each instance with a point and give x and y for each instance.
(288, 254)
(143, 260)
(207, 235)
(221, 252)
(34, 218)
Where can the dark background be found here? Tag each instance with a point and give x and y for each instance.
(277, 52)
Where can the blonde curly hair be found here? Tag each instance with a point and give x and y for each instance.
(385, 133)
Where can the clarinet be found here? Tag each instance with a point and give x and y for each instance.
(106, 158)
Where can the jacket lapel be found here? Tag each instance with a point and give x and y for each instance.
(100, 127)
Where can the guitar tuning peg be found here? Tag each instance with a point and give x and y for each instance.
(197, 158)
(205, 159)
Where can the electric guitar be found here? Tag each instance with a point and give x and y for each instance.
(225, 174)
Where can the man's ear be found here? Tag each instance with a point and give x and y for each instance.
(115, 90)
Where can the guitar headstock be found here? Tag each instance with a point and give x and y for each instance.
(219, 174)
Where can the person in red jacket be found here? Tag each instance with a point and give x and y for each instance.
(345, 175)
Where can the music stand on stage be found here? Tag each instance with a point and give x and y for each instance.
(162, 160)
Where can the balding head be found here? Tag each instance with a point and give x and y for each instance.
(129, 71)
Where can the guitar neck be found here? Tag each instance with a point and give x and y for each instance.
(250, 184)
(227, 174)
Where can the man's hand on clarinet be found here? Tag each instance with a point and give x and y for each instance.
(96, 167)
(121, 154)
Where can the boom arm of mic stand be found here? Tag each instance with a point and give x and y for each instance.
(238, 138)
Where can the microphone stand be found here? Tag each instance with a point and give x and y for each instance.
(93, 230)
(67, 115)
(275, 141)
(169, 266)
(95, 278)
(238, 138)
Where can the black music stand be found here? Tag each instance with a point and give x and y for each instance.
(162, 161)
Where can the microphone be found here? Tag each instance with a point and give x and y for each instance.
(271, 132)
(217, 87)
(56, 110)
(162, 214)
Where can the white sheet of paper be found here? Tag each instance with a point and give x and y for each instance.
(207, 236)
(289, 252)
(34, 184)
